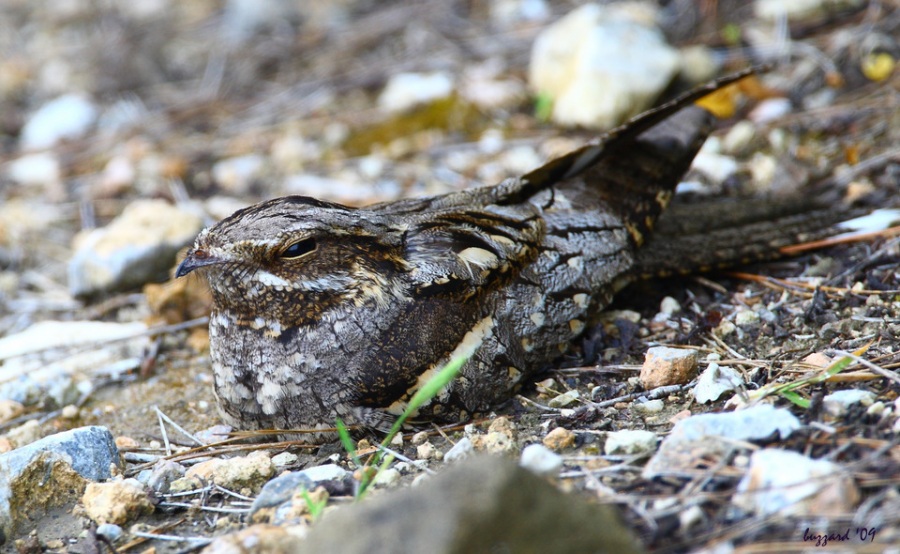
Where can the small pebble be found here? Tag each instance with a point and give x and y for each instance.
(559, 438)
(10, 409)
(649, 407)
(715, 167)
(668, 366)
(284, 459)
(716, 381)
(738, 137)
(110, 531)
(630, 441)
(669, 306)
(116, 501)
(387, 478)
(322, 473)
(838, 402)
(539, 459)
(425, 451)
(811, 487)
(770, 110)
(564, 399)
(126, 443)
(35, 169)
(406, 90)
(66, 117)
(419, 438)
(238, 473)
(236, 175)
(460, 450)
(690, 517)
(26, 433)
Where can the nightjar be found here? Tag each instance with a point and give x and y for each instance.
(324, 311)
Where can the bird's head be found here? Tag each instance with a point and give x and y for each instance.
(293, 258)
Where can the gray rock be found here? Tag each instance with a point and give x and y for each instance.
(49, 467)
(484, 504)
(327, 472)
(280, 490)
(701, 437)
(162, 475)
(109, 530)
(55, 359)
(838, 402)
(138, 247)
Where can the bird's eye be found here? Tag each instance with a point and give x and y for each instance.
(299, 248)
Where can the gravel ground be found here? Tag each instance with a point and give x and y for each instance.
(211, 106)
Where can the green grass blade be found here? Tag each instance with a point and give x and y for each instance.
(347, 441)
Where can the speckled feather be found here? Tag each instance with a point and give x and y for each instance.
(324, 311)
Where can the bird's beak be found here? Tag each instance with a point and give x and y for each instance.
(195, 259)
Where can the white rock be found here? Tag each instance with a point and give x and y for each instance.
(738, 137)
(539, 459)
(773, 10)
(746, 317)
(460, 450)
(57, 334)
(809, 487)
(55, 359)
(284, 459)
(119, 172)
(485, 86)
(690, 517)
(702, 435)
(838, 402)
(600, 66)
(236, 174)
(332, 189)
(109, 531)
(669, 306)
(630, 441)
(66, 117)
(763, 169)
(35, 169)
(406, 90)
(564, 399)
(698, 64)
(521, 159)
(386, 478)
(715, 167)
(137, 247)
(26, 433)
(770, 110)
(508, 12)
(649, 407)
(715, 381)
(327, 472)
(243, 17)
(426, 451)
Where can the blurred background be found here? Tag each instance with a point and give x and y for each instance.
(211, 105)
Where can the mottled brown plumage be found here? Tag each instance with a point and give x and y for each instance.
(324, 311)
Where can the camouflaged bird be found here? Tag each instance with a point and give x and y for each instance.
(324, 311)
